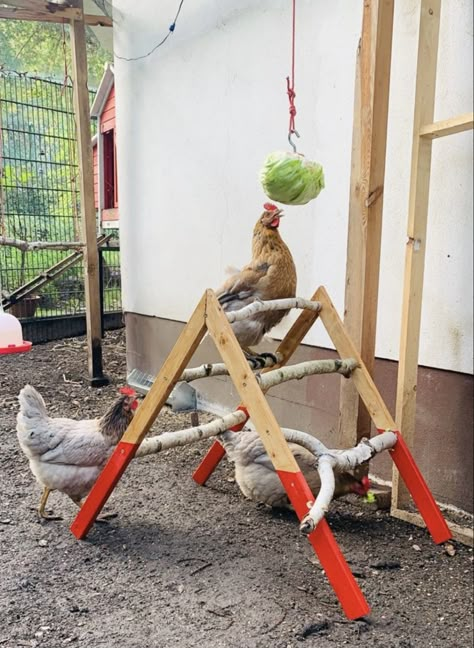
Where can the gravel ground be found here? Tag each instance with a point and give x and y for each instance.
(188, 566)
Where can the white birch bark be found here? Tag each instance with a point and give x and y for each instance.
(27, 246)
(309, 368)
(337, 460)
(260, 306)
(168, 440)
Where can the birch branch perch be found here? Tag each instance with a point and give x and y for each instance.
(327, 461)
(219, 369)
(26, 246)
(260, 306)
(337, 460)
(272, 378)
(309, 368)
(179, 438)
(142, 382)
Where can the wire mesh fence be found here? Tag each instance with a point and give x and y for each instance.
(40, 198)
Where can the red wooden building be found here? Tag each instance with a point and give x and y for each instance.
(104, 152)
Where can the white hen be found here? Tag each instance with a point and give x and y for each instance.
(65, 454)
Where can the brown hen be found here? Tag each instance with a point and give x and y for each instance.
(270, 275)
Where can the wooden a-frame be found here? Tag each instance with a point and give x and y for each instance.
(208, 316)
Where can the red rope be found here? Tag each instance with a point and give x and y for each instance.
(290, 86)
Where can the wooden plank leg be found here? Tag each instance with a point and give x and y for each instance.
(332, 560)
(209, 463)
(169, 374)
(287, 347)
(103, 488)
(382, 419)
(418, 488)
(324, 544)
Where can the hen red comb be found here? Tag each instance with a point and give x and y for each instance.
(270, 207)
(127, 391)
(365, 481)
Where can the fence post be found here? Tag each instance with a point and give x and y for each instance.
(91, 255)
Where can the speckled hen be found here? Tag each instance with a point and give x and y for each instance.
(65, 454)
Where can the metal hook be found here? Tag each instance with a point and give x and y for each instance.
(292, 144)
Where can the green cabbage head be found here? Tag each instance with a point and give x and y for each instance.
(290, 178)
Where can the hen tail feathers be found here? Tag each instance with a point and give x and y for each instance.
(31, 403)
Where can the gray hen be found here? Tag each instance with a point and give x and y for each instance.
(258, 480)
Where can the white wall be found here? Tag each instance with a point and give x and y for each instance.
(197, 117)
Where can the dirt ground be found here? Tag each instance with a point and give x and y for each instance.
(188, 566)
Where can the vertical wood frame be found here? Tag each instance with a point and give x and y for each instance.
(88, 212)
(366, 204)
(428, 40)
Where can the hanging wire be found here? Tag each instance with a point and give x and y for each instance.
(170, 31)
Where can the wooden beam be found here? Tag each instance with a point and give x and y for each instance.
(417, 227)
(448, 126)
(59, 17)
(88, 215)
(246, 384)
(361, 377)
(45, 7)
(286, 348)
(366, 203)
(460, 533)
(295, 335)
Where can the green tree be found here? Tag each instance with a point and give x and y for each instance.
(39, 48)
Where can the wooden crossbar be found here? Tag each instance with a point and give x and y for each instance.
(448, 126)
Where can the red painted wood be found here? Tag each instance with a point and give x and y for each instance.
(95, 164)
(209, 463)
(103, 487)
(330, 556)
(215, 454)
(107, 117)
(110, 215)
(419, 490)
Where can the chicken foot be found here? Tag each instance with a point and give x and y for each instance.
(42, 505)
(259, 360)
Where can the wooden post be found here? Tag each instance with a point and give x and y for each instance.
(88, 217)
(417, 226)
(366, 202)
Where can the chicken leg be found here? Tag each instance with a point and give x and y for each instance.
(41, 509)
(103, 518)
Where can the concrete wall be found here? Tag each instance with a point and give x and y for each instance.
(198, 116)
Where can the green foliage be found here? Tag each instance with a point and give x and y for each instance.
(40, 175)
(38, 48)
